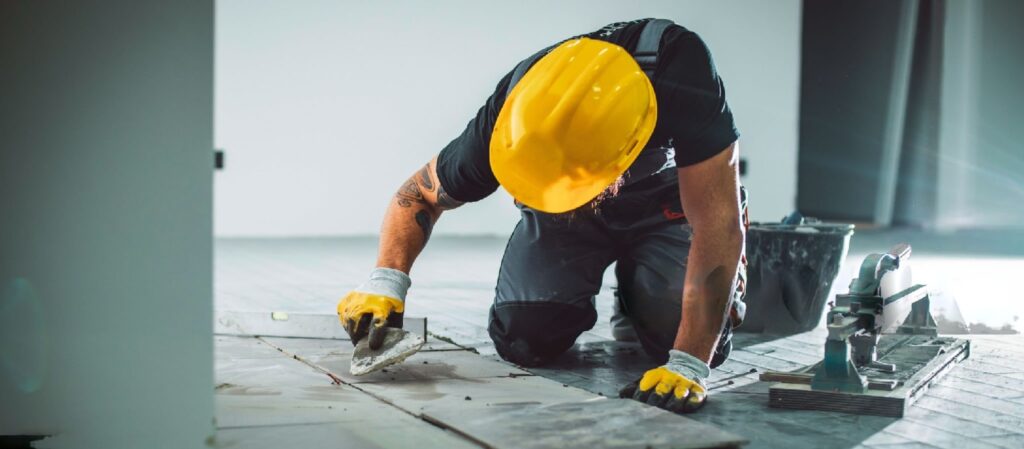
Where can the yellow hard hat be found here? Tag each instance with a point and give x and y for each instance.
(572, 125)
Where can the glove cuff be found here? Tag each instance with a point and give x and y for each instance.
(689, 366)
(387, 282)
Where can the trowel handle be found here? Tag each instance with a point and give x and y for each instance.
(900, 251)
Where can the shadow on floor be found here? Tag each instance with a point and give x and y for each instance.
(599, 367)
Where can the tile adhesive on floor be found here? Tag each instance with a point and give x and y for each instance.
(398, 345)
(276, 390)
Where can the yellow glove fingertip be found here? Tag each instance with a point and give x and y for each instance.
(664, 387)
(681, 390)
(697, 396)
(668, 383)
(651, 378)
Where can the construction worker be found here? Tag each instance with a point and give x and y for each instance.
(603, 140)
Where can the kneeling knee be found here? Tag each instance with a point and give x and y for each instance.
(533, 333)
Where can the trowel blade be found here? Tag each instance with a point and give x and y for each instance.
(398, 345)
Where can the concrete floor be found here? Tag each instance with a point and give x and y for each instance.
(296, 392)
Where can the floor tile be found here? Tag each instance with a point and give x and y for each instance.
(472, 394)
(240, 405)
(233, 347)
(454, 286)
(425, 366)
(885, 438)
(249, 362)
(606, 423)
(398, 431)
(316, 348)
(1009, 441)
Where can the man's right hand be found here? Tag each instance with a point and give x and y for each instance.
(378, 303)
(678, 386)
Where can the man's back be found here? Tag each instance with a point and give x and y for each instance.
(694, 120)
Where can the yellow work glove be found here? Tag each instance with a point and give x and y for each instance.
(677, 386)
(378, 303)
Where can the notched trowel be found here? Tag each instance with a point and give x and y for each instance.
(398, 345)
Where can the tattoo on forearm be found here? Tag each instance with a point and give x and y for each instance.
(412, 192)
(426, 222)
(425, 180)
(445, 202)
(409, 193)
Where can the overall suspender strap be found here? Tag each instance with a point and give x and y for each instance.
(522, 67)
(646, 53)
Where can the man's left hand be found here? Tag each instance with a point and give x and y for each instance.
(677, 386)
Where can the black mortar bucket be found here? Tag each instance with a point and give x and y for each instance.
(790, 270)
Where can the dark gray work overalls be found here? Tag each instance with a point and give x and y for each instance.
(554, 263)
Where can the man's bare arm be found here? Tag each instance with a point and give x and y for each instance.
(410, 218)
(710, 195)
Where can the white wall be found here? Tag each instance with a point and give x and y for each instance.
(325, 107)
(106, 133)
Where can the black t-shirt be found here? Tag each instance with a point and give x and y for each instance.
(694, 121)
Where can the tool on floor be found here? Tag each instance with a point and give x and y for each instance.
(372, 316)
(398, 345)
(882, 350)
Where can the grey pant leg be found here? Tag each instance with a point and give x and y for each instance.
(651, 276)
(549, 275)
(651, 280)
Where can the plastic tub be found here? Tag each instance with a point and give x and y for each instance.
(790, 271)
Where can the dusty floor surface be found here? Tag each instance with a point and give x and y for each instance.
(296, 392)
